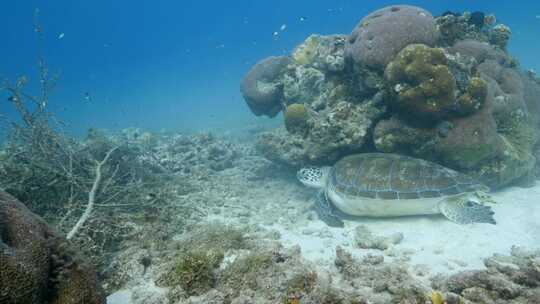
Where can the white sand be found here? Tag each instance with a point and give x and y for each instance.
(430, 245)
(433, 241)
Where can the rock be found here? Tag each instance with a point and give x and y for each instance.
(383, 33)
(343, 127)
(391, 282)
(37, 265)
(507, 279)
(261, 87)
(305, 85)
(365, 239)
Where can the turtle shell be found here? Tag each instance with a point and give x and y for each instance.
(394, 177)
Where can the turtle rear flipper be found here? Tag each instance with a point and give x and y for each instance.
(462, 210)
(327, 212)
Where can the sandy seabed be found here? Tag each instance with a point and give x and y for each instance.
(429, 245)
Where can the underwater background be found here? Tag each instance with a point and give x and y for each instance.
(269, 152)
(176, 65)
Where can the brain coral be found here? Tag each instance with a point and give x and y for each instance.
(382, 34)
(422, 82)
(261, 87)
(37, 265)
(24, 254)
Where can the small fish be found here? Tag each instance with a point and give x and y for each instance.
(87, 97)
(283, 27)
(537, 16)
(61, 35)
(302, 19)
(275, 35)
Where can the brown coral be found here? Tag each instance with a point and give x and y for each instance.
(261, 86)
(475, 96)
(37, 265)
(421, 83)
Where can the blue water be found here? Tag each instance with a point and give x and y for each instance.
(176, 65)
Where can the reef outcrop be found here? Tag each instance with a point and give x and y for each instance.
(441, 88)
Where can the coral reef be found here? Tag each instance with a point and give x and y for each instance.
(382, 34)
(37, 265)
(442, 88)
(261, 87)
(343, 128)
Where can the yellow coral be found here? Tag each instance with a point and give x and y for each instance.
(473, 99)
(436, 298)
(421, 81)
(305, 53)
(296, 117)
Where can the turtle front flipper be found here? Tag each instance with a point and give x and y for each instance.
(462, 210)
(327, 212)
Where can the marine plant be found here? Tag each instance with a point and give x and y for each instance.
(300, 285)
(215, 235)
(194, 271)
(243, 272)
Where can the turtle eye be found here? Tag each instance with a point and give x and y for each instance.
(469, 204)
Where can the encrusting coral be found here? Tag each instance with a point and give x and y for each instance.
(296, 117)
(421, 81)
(474, 97)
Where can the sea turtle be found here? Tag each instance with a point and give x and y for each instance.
(386, 185)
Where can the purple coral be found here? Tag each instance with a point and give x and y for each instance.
(382, 34)
(261, 86)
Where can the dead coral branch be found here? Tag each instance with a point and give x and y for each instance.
(91, 196)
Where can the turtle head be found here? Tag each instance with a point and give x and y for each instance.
(314, 177)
